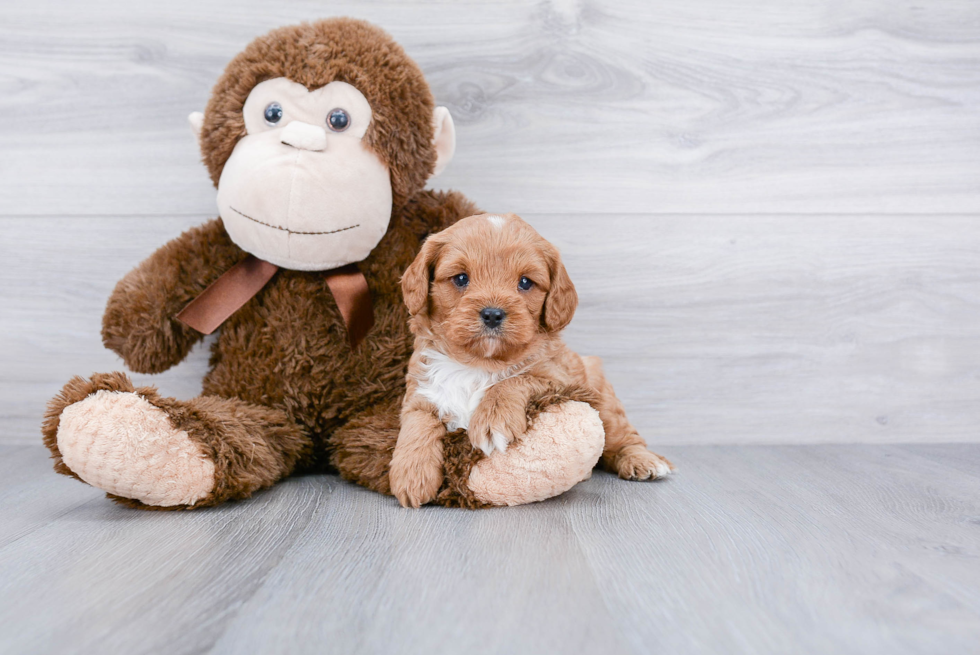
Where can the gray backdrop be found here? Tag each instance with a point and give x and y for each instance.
(769, 208)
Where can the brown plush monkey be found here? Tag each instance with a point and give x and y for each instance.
(319, 138)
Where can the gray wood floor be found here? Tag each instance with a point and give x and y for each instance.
(787, 549)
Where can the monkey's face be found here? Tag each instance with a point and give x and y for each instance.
(301, 189)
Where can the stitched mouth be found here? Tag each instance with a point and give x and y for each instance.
(284, 229)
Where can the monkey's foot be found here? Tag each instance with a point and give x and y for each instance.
(119, 442)
(557, 452)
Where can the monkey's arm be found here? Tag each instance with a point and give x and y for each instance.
(139, 323)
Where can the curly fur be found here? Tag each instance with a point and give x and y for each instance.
(493, 378)
(285, 392)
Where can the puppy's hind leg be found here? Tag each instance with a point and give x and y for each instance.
(625, 452)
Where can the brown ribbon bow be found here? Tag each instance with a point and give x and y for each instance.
(241, 282)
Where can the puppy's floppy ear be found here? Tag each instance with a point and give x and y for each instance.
(562, 299)
(415, 281)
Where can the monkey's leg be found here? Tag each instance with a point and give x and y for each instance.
(362, 451)
(152, 452)
(625, 452)
(558, 451)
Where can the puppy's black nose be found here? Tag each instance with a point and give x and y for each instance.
(492, 317)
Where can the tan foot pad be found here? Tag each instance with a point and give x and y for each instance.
(558, 452)
(120, 443)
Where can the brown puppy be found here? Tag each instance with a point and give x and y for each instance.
(488, 298)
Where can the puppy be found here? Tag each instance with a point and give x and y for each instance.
(488, 298)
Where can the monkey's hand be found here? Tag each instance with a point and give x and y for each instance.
(139, 323)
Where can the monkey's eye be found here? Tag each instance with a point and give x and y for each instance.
(273, 113)
(338, 120)
(524, 284)
(461, 280)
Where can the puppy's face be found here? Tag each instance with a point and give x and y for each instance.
(489, 290)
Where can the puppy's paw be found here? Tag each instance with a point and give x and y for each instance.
(488, 439)
(415, 477)
(494, 427)
(638, 463)
(484, 438)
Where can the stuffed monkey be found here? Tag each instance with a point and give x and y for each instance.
(319, 138)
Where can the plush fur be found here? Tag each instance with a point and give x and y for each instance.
(143, 457)
(285, 392)
(314, 54)
(559, 450)
(469, 372)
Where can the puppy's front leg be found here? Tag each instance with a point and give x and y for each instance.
(416, 472)
(501, 416)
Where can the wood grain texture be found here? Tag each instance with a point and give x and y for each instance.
(792, 549)
(563, 106)
(771, 214)
(734, 329)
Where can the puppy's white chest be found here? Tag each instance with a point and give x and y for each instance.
(455, 389)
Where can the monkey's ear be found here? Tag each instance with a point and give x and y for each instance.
(196, 119)
(444, 139)
(415, 281)
(562, 299)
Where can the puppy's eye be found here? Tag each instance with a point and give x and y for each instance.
(524, 284)
(461, 280)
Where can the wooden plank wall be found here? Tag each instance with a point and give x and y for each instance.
(770, 209)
